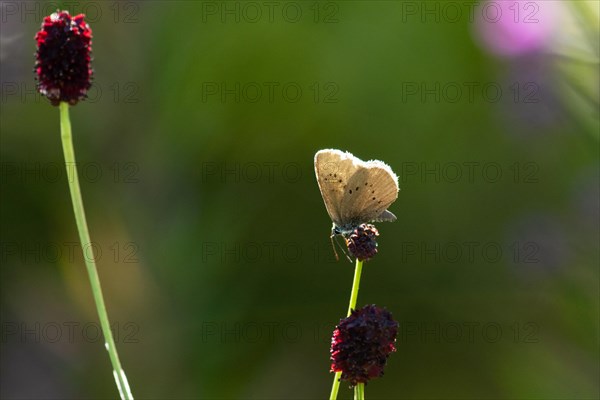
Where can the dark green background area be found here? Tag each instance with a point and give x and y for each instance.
(213, 237)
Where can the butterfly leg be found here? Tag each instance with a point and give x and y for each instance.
(337, 258)
(341, 248)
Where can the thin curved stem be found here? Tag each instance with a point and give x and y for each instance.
(353, 297)
(90, 262)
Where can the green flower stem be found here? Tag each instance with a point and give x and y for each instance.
(353, 297)
(90, 262)
(355, 285)
(359, 392)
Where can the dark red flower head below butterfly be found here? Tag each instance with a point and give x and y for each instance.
(63, 58)
(362, 242)
(362, 343)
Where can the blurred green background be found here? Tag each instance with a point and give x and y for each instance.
(195, 152)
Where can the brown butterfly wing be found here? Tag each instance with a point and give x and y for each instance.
(333, 169)
(370, 191)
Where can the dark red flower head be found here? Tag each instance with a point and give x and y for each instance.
(63, 58)
(362, 343)
(362, 243)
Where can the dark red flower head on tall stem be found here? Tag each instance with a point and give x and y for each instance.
(362, 343)
(63, 58)
(362, 242)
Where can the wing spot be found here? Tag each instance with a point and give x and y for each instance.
(350, 191)
(340, 181)
(366, 183)
(373, 198)
(357, 188)
(379, 202)
(373, 191)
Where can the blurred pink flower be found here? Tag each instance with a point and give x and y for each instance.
(515, 27)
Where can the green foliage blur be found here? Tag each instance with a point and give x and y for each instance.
(195, 151)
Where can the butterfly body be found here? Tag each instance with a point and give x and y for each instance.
(344, 231)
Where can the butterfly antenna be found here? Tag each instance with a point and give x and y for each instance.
(344, 250)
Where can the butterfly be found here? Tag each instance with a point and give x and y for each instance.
(354, 191)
